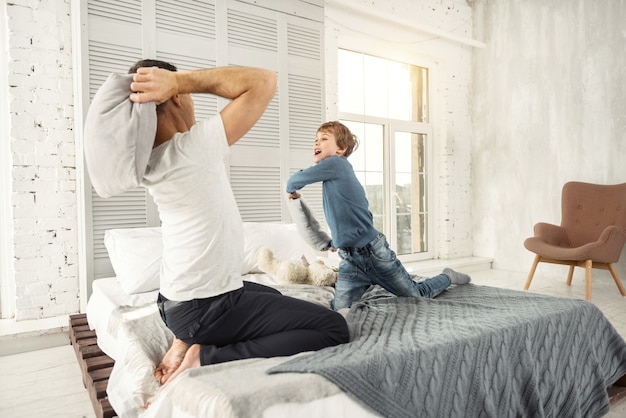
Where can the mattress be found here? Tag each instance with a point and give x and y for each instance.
(109, 306)
(130, 331)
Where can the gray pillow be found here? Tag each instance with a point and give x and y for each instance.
(308, 227)
(119, 136)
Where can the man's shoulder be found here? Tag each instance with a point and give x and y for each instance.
(212, 125)
(205, 133)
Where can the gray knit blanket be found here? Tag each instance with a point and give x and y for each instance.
(474, 351)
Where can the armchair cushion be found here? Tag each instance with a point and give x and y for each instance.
(552, 234)
(606, 249)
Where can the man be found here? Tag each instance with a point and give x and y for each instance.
(214, 315)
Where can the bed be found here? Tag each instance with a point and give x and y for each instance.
(473, 351)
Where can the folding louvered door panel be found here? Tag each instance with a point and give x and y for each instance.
(115, 33)
(186, 37)
(252, 39)
(282, 140)
(284, 36)
(306, 101)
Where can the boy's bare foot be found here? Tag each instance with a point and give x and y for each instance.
(191, 360)
(171, 361)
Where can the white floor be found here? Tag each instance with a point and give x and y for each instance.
(43, 383)
(48, 382)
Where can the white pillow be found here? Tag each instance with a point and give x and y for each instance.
(135, 254)
(119, 136)
(308, 226)
(283, 240)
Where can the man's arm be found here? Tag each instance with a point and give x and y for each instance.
(250, 89)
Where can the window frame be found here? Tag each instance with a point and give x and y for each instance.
(390, 126)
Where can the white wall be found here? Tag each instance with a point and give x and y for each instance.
(42, 158)
(7, 287)
(549, 106)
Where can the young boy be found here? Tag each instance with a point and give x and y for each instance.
(366, 258)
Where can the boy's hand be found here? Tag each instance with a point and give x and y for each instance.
(152, 84)
(294, 195)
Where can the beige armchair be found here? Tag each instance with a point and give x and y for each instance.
(591, 235)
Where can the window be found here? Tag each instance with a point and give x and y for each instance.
(385, 104)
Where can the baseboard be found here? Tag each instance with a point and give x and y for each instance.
(435, 266)
(30, 335)
(20, 343)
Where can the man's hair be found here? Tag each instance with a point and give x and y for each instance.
(345, 138)
(151, 63)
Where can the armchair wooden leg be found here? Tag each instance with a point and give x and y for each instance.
(618, 282)
(532, 272)
(570, 275)
(588, 267)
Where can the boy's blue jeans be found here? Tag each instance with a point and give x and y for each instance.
(376, 263)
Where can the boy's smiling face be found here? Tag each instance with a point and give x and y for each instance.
(325, 146)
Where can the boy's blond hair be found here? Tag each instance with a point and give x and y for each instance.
(345, 139)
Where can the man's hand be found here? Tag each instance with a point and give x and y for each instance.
(152, 84)
(294, 195)
(249, 89)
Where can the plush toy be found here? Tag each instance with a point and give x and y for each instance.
(296, 271)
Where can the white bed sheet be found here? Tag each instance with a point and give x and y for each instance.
(130, 331)
(109, 306)
(242, 390)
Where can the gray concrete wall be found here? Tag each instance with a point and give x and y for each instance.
(549, 106)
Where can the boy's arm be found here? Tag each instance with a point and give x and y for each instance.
(322, 171)
(250, 89)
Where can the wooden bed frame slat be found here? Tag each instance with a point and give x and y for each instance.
(95, 366)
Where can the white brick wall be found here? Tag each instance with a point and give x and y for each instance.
(43, 195)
